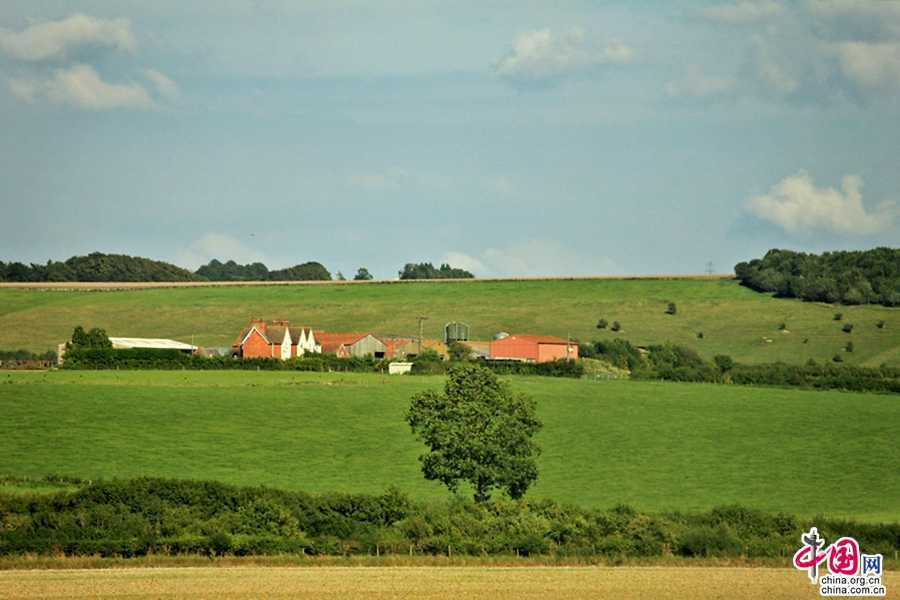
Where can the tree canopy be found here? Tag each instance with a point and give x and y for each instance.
(859, 277)
(97, 267)
(95, 338)
(478, 431)
(427, 271)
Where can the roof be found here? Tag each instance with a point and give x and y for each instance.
(245, 332)
(297, 331)
(348, 339)
(332, 347)
(275, 335)
(538, 339)
(155, 343)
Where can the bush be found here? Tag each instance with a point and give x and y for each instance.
(671, 309)
(847, 328)
(615, 326)
(602, 323)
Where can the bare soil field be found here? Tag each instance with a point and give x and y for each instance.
(436, 583)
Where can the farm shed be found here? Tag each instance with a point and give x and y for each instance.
(151, 344)
(532, 348)
(357, 344)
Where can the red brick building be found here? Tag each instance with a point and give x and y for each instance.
(278, 340)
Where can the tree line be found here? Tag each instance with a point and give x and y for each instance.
(126, 518)
(121, 268)
(858, 277)
(672, 362)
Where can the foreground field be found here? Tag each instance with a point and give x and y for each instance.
(435, 583)
(733, 320)
(657, 446)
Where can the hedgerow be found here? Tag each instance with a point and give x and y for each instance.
(177, 517)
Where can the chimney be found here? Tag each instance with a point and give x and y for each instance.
(259, 324)
(281, 323)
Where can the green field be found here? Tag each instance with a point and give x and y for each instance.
(734, 320)
(658, 446)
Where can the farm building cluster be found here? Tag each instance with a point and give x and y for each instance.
(279, 339)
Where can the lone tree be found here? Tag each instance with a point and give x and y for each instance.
(478, 431)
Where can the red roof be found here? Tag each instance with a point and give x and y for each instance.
(539, 339)
(348, 339)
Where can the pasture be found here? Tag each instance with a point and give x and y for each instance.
(658, 446)
(436, 583)
(733, 320)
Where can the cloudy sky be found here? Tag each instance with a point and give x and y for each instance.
(512, 138)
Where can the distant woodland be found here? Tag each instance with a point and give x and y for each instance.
(120, 268)
(859, 277)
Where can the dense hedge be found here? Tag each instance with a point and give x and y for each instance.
(165, 516)
(110, 358)
(166, 359)
(866, 277)
(670, 362)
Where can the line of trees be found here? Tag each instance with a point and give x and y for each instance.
(126, 518)
(427, 271)
(672, 362)
(97, 267)
(231, 271)
(859, 277)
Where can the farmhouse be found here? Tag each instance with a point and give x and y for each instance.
(278, 340)
(532, 348)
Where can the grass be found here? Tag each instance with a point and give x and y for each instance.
(734, 320)
(658, 446)
(436, 583)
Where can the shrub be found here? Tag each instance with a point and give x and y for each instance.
(838, 316)
(615, 326)
(602, 323)
(671, 309)
(847, 328)
(849, 347)
(880, 324)
(837, 358)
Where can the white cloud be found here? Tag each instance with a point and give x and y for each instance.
(82, 87)
(796, 205)
(23, 89)
(499, 185)
(533, 258)
(221, 247)
(742, 13)
(694, 84)
(389, 180)
(542, 55)
(459, 260)
(164, 86)
(771, 73)
(59, 41)
(862, 20)
(870, 66)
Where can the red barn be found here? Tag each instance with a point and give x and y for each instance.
(532, 348)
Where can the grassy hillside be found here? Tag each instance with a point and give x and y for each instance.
(734, 320)
(658, 446)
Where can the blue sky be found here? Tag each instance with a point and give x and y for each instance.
(508, 138)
